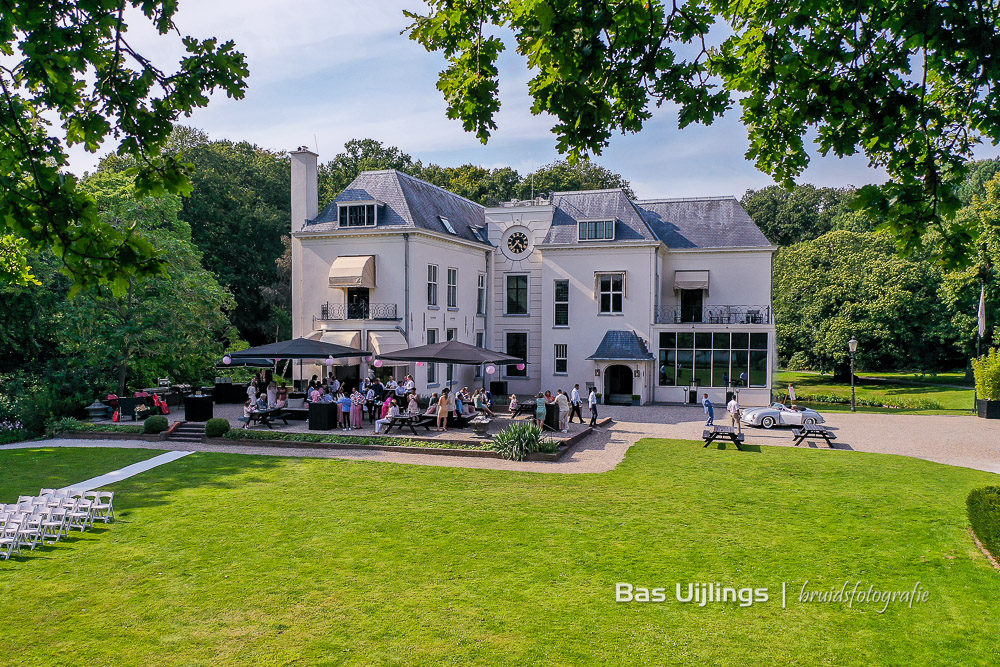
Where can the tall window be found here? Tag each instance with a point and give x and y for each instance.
(453, 288)
(596, 230)
(479, 343)
(560, 359)
(517, 295)
(561, 299)
(481, 295)
(432, 337)
(432, 285)
(610, 292)
(449, 334)
(517, 346)
(358, 215)
(691, 305)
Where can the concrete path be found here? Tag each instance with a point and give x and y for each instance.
(127, 471)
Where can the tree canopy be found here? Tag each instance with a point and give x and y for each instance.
(802, 213)
(71, 62)
(911, 85)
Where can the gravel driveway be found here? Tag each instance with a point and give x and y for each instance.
(954, 440)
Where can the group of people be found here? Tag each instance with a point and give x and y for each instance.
(568, 405)
(263, 394)
(370, 394)
(447, 404)
(732, 409)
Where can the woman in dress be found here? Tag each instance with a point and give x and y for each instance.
(412, 406)
(540, 404)
(272, 394)
(357, 407)
(444, 408)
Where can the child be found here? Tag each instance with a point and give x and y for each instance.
(345, 411)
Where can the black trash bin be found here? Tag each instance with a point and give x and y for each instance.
(552, 416)
(198, 408)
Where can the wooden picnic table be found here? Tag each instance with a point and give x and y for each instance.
(265, 417)
(723, 433)
(411, 421)
(813, 431)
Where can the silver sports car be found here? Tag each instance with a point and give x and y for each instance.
(779, 414)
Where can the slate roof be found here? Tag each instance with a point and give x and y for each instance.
(702, 222)
(409, 202)
(622, 346)
(571, 207)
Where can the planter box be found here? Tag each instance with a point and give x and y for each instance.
(988, 409)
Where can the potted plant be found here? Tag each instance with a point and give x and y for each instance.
(987, 370)
(635, 399)
(598, 398)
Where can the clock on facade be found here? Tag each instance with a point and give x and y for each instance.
(517, 243)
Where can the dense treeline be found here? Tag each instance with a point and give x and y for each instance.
(836, 276)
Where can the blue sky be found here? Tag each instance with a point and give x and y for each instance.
(324, 72)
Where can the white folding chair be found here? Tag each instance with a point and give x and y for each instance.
(54, 525)
(81, 516)
(103, 505)
(31, 530)
(47, 492)
(10, 540)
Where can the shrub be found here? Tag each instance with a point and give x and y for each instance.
(517, 441)
(12, 431)
(217, 427)
(156, 424)
(983, 506)
(987, 370)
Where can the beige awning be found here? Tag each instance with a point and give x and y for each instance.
(356, 271)
(345, 338)
(690, 280)
(386, 342)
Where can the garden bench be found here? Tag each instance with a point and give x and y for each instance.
(813, 431)
(265, 417)
(723, 433)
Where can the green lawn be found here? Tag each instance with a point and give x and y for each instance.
(230, 559)
(948, 400)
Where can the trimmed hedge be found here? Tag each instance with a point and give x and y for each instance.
(217, 427)
(245, 434)
(155, 424)
(983, 506)
(871, 401)
(69, 425)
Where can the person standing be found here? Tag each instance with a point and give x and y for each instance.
(371, 403)
(709, 410)
(733, 408)
(444, 408)
(345, 410)
(577, 403)
(272, 394)
(540, 404)
(357, 408)
(592, 402)
(743, 379)
(791, 393)
(563, 404)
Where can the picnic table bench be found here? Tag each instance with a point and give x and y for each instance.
(813, 431)
(723, 433)
(524, 409)
(265, 417)
(411, 421)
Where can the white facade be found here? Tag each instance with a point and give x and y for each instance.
(549, 295)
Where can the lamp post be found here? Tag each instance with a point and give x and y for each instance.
(852, 346)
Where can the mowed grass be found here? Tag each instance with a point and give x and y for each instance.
(950, 399)
(224, 559)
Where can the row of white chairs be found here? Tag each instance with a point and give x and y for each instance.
(45, 518)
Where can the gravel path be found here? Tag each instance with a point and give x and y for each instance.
(954, 440)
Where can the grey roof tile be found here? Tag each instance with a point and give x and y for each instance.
(571, 207)
(409, 202)
(702, 222)
(622, 346)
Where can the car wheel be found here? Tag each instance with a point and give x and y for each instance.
(809, 420)
(767, 422)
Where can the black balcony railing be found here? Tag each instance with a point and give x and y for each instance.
(360, 310)
(676, 314)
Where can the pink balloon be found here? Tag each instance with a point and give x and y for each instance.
(520, 367)
(420, 363)
(329, 361)
(378, 363)
(491, 369)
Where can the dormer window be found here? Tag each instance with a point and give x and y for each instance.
(447, 224)
(358, 214)
(596, 230)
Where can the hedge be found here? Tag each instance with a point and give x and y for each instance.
(983, 506)
(245, 434)
(216, 427)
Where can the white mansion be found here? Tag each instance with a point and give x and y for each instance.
(656, 299)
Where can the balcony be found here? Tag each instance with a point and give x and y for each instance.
(729, 314)
(359, 310)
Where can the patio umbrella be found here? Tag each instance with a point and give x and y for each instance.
(297, 348)
(451, 352)
(250, 362)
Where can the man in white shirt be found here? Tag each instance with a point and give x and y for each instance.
(334, 385)
(575, 404)
(563, 403)
(592, 402)
(733, 408)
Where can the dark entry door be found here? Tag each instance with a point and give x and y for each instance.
(618, 385)
(357, 303)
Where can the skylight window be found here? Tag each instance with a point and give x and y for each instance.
(479, 233)
(447, 225)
